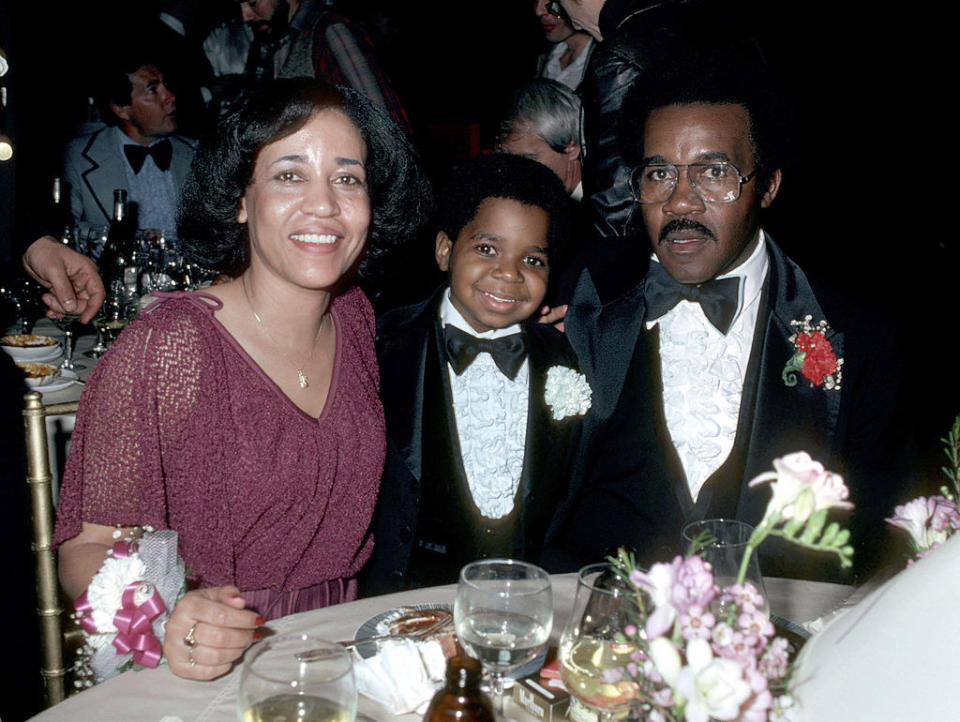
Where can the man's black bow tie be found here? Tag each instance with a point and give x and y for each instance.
(718, 298)
(162, 152)
(508, 351)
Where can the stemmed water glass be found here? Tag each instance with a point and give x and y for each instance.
(594, 654)
(503, 614)
(65, 323)
(297, 677)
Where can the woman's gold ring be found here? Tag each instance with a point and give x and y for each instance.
(191, 640)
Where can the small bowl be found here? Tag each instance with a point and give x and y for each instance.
(38, 375)
(30, 346)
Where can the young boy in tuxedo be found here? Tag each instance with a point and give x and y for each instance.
(476, 459)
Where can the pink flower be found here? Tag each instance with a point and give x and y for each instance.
(745, 596)
(929, 521)
(659, 583)
(693, 585)
(756, 708)
(801, 486)
(773, 664)
(696, 623)
(755, 624)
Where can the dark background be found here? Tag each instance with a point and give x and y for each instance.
(865, 204)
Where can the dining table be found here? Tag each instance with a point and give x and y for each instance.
(157, 694)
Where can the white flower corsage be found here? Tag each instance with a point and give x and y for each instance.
(124, 610)
(567, 392)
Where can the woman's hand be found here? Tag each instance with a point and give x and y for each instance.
(221, 631)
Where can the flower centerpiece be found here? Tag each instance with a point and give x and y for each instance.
(931, 520)
(695, 651)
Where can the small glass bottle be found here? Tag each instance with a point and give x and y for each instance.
(461, 700)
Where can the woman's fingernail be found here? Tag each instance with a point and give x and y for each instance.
(260, 621)
(257, 636)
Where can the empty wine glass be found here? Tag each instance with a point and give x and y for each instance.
(297, 678)
(726, 544)
(503, 614)
(66, 323)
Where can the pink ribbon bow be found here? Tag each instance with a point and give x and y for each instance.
(133, 621)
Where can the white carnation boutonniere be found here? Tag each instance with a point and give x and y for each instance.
(567, 392)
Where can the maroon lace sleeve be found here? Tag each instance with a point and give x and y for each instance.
(138, 393)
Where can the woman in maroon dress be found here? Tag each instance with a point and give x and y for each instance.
(246, 417)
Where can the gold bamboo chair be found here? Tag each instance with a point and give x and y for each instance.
(53, 637)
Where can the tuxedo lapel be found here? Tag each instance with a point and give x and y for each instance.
(786, 418)
(604, 337)
(403, 347)
(104, 172)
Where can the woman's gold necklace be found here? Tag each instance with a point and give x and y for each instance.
(301, 376)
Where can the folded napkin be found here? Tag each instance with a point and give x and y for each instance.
(403, 675)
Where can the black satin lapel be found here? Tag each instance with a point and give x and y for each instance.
(786, 418)
(540, 439)
(604, 339)
(439, 377)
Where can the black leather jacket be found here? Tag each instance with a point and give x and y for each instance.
(637, 35)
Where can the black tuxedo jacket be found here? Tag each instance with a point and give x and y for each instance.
(409, 348)
(634, 491)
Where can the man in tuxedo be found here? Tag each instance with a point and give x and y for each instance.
(697, 374)
(139, 151)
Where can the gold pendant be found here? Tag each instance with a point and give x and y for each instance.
(302, 378)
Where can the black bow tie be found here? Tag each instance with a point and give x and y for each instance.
(508, 352)
(718, 298)
(162, 152)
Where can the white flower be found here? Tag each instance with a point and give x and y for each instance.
(105, 592)
(567, 392)
(783, 709)
(667, 659)
(802, 486)
(713, 687)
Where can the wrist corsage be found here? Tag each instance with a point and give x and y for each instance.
(567, 392)
(125, 609)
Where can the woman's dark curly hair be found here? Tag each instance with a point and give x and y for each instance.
(400, 195)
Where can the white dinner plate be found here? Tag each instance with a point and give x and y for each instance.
(66, 377)
(373, 626)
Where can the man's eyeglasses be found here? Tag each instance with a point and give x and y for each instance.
(714, 182)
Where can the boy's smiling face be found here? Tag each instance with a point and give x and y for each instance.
(498, 266)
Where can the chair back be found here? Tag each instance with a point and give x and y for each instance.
(49, 607)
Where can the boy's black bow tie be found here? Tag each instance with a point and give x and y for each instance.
(718, 298)
(162, 152)
(508, 352)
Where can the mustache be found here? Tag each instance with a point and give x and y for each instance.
(684, 224)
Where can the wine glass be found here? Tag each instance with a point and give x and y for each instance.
(297, 678)
(503, 613)
(109, 322)
(594, 653)
(726, 544)
(65, 323)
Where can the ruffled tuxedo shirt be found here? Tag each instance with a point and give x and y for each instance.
(703, 373)
(178, 428)
(491, 415)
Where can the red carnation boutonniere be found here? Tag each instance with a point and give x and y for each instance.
(813, 356)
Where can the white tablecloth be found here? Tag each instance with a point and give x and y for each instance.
(156, 693)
